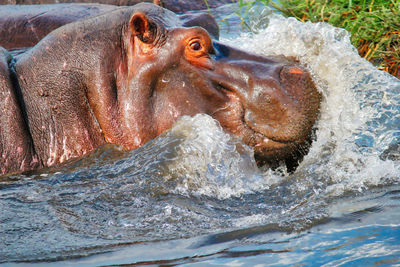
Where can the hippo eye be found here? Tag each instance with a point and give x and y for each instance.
(197, 54)
(196, 46)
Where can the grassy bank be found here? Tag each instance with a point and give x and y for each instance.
(374, 24)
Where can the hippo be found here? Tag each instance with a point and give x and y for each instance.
(126, 76)
(24, 26)
(177, 6)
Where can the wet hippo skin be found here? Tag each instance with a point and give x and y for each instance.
(24, 26)
(127, 75)
(178, 6)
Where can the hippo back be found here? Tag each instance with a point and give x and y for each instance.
(178, 6)
(24, 26)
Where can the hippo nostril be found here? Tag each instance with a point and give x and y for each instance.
(295, 70)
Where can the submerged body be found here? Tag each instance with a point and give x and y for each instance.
(23, 26)
(126, 76)
(173, 5)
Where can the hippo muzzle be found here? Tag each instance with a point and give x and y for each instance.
(273, 103)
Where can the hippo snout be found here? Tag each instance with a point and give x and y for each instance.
(274, 99)
(284, 110)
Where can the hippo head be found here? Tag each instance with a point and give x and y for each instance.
(173, 70)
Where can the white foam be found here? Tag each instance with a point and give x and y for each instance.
(350, 135)
(208, 161)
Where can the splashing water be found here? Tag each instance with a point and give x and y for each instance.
(360, 118)
(360, 114)
(209, 162)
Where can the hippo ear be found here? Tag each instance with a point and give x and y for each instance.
(157, 2)
(143, 28)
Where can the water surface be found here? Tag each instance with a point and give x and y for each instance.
(194, 195)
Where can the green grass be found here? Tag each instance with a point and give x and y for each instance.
(374, 24)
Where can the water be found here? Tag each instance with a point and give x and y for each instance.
(194, 196)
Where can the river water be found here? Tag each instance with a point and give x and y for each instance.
(194, 196)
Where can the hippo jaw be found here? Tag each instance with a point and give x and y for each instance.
(273, 104)
(268, 150)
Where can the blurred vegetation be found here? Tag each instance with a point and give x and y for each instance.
(242, 12)
(374, 24)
